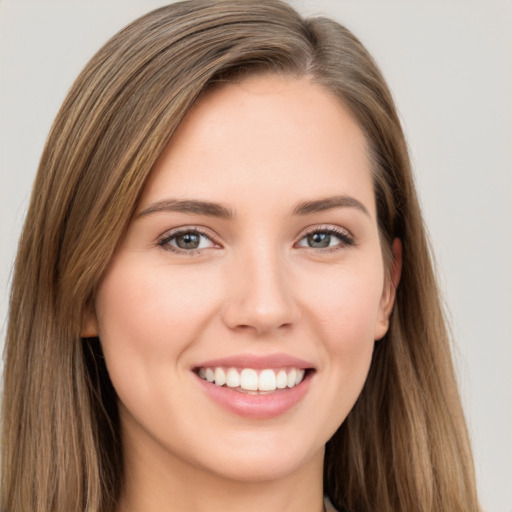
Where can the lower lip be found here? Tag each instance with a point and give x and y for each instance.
(257, 406)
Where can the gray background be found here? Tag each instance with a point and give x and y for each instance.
(449, 65)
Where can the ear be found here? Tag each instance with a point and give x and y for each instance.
(89, 323)
(387, 299)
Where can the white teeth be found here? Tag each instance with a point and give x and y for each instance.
(281, 379)
(232, 378)
(267, 380)
(210, 375)
(292, 376)
(249, 380)
(220, 377)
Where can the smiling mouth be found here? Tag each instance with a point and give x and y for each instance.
(252, 381)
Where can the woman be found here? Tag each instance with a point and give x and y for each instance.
(223, 297)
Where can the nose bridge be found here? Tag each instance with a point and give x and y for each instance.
(261, 293)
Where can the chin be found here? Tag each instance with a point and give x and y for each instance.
(263, 461)
(260, 469)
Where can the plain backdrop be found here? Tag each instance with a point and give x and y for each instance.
(449, 65)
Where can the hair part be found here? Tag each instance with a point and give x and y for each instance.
(403, 447)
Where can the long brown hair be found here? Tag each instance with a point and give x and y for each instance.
(403, 447)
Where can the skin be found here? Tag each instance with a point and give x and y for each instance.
(258, 148)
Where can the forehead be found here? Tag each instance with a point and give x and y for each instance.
(267, 136)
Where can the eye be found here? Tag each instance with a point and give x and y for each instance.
(186, 240)
(326, 238)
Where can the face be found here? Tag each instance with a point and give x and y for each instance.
(239, 316)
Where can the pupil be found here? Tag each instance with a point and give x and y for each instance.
(319, 240)
(188, 241)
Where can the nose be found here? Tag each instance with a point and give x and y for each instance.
(261, 295)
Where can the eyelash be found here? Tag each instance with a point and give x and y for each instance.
(164, 242)
(346, 239)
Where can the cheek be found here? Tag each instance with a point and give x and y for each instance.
(345, 312)
(147, 318)
(347, 301)
(144, 301)
(342, 310)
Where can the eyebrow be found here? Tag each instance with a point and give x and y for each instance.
(211, 209)
(329, 203)
(188, 206)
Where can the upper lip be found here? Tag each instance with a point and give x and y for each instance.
(258, 362)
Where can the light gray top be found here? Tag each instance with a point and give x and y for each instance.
(329, 507)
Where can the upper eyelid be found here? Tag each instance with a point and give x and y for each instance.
(170, 233)
(216, 239)
(184, 229)
(345, 236)
(324, 227)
